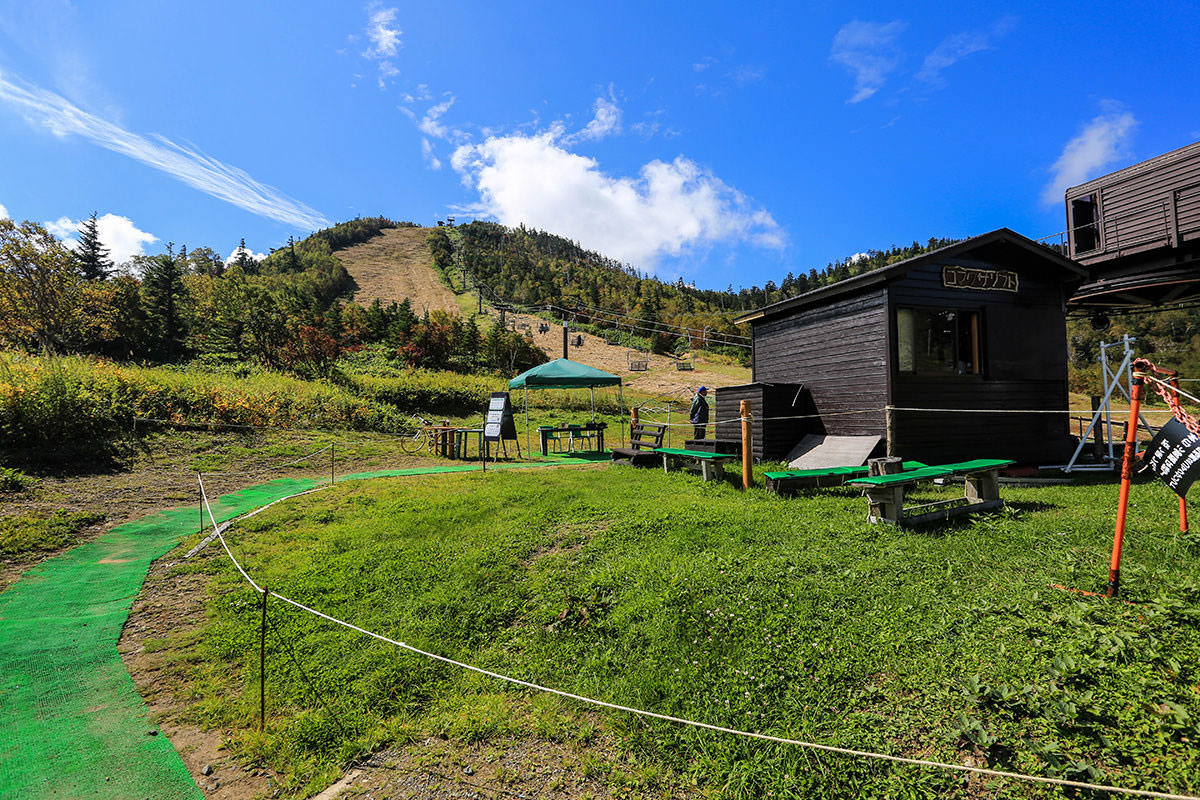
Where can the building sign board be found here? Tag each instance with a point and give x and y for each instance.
(1174, 456)
(988, 280)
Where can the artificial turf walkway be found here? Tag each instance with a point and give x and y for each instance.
(74, 725)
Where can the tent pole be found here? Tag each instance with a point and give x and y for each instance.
(621, 406)
(527, 448)
(592, 395)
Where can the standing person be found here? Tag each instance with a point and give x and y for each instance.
(698, 413)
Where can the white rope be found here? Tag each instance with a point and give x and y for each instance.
(1176, 389)
(680, 720)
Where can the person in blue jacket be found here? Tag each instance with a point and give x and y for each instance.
(698, 413)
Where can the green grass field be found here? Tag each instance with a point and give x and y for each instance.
(792, 617)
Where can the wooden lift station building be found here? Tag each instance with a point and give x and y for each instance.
(976, 326)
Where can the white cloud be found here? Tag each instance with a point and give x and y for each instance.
(384, 37)
(605, 122)
(430, 157)
(233, 255)
(430, 124)
(869, 51)
(183, 162)
(1102, 141)
(119, 235)
(858, 257)
(666, 209)
(960, 45)
(3, 212)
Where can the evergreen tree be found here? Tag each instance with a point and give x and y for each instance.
(163, 295)
(91, 254)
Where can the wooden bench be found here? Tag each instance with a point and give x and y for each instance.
(794, 480)
(644, 439)
(710, 465)
(886, 493)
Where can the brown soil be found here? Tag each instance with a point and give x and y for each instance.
(395, 265)
(172, 606)
(661, 379)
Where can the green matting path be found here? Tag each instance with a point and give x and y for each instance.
(73, 724)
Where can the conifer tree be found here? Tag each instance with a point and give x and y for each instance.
(91, 254)
(163, 294)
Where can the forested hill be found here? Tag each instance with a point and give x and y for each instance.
(537, 268)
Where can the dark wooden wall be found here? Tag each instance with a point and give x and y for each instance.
(1143, 207)
(839, 352)
(1024, 356)
(774, 407)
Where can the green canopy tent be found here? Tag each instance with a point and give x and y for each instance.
(563, 373)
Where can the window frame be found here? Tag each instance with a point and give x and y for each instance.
(979, 354)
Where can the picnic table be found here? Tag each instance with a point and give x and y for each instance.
(593, 431)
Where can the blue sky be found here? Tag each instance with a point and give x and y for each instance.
(723, 144)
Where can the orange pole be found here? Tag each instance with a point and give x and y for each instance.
(1183, 523)
(747, 447)
(1131, 431)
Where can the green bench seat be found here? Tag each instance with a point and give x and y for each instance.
(925, 473)
(792, 480)
(711, 465)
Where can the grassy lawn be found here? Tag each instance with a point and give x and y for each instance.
(787, 616)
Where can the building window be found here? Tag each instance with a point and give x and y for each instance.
(932, 342)
(1085, 232)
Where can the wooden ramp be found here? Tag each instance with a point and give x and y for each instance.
(823, 452)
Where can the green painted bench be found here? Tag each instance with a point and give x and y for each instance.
(886, 493)
(794, 480)
(710, 465)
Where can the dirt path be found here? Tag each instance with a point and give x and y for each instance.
(395, 265)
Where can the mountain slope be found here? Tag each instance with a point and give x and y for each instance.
(394, 265)
(398, 264)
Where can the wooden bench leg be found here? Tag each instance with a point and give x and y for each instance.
(706, 470)
(982, 487)
(666, 463)
(886, 503)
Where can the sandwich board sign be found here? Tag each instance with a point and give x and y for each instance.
(1174, 456)
(499, 423)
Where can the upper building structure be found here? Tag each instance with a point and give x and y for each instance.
(1137, 232)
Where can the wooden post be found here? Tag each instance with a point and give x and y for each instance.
(889, 421)
(747, 446)
(889, 465)
(1131, 429)
(633, 416)
(262, 666)
(331, 458)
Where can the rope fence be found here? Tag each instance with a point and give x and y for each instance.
(219, 532)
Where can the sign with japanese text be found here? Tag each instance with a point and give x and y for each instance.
(1174, 456)
(988, 280)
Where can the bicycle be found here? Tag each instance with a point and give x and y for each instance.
(414, 437)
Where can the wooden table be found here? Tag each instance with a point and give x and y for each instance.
(573, 432)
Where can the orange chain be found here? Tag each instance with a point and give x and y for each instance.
(1170, 397)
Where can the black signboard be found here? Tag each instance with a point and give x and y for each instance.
(1174, 456)
(499, 424)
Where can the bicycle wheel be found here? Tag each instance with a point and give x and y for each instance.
(412, 442)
